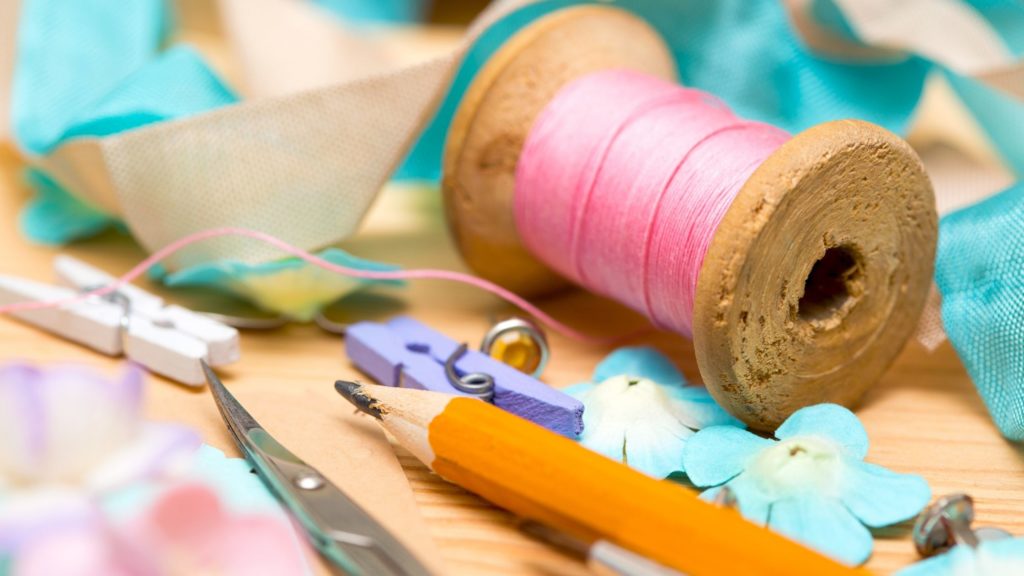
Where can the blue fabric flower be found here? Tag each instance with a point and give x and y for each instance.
(639, 410)
(290, 287)
(995, 558)
(810, 483)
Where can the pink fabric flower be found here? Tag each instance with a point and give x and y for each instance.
(69, 436)
(186, 531)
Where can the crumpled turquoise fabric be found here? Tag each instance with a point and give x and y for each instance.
(743, 51)
(373, 11)
(55, 216)
(998, 114)
(980, 272)
(99, 67)
(92, 69)
(1007, 17)
(71, 54)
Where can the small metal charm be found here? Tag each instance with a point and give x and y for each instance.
(519, 343)
(947, 523)
(476, 384)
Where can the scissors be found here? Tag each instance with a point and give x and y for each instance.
(339, 529)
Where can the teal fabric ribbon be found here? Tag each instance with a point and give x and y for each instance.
(71, 55)
(55, 216)
(1007, 17)
(998, 114)
(744, 52)
(371, 11)
(980, 272)
(92, 69)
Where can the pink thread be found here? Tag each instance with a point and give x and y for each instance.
(623, 180)
(415, 274)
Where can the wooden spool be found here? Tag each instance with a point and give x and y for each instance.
(817, 274)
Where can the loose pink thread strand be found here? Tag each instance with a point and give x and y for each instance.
(427, 274)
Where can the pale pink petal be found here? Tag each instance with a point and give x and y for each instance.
(87, 548)
(129, 389)
(83, 419)
(189, 516)
(58, 424)
(22, 421)
(28, 515)
(191, 525)
(257, 544)
(158, 450)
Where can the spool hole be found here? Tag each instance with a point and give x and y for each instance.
(833, 286)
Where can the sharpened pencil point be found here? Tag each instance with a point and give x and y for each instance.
(353, 392)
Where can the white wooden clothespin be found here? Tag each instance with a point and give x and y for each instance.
(167, 339)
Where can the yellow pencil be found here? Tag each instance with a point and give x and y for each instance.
(542, 476)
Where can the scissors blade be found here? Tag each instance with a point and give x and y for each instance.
(340, 529)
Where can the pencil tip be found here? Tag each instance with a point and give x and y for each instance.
(354, 393)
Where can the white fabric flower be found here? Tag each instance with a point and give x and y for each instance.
(639, 410)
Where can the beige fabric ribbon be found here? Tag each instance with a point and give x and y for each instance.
(946, 31)
(302, 159)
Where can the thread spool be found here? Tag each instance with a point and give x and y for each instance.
(815, 276)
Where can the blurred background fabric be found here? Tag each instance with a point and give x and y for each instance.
(125, 124)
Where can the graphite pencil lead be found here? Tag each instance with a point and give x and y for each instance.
(354, 393)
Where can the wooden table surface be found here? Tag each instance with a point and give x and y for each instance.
(923, 417)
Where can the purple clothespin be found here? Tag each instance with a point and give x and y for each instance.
(403, 352)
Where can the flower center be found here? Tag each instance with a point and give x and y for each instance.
(625, 400)
(797, 466)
